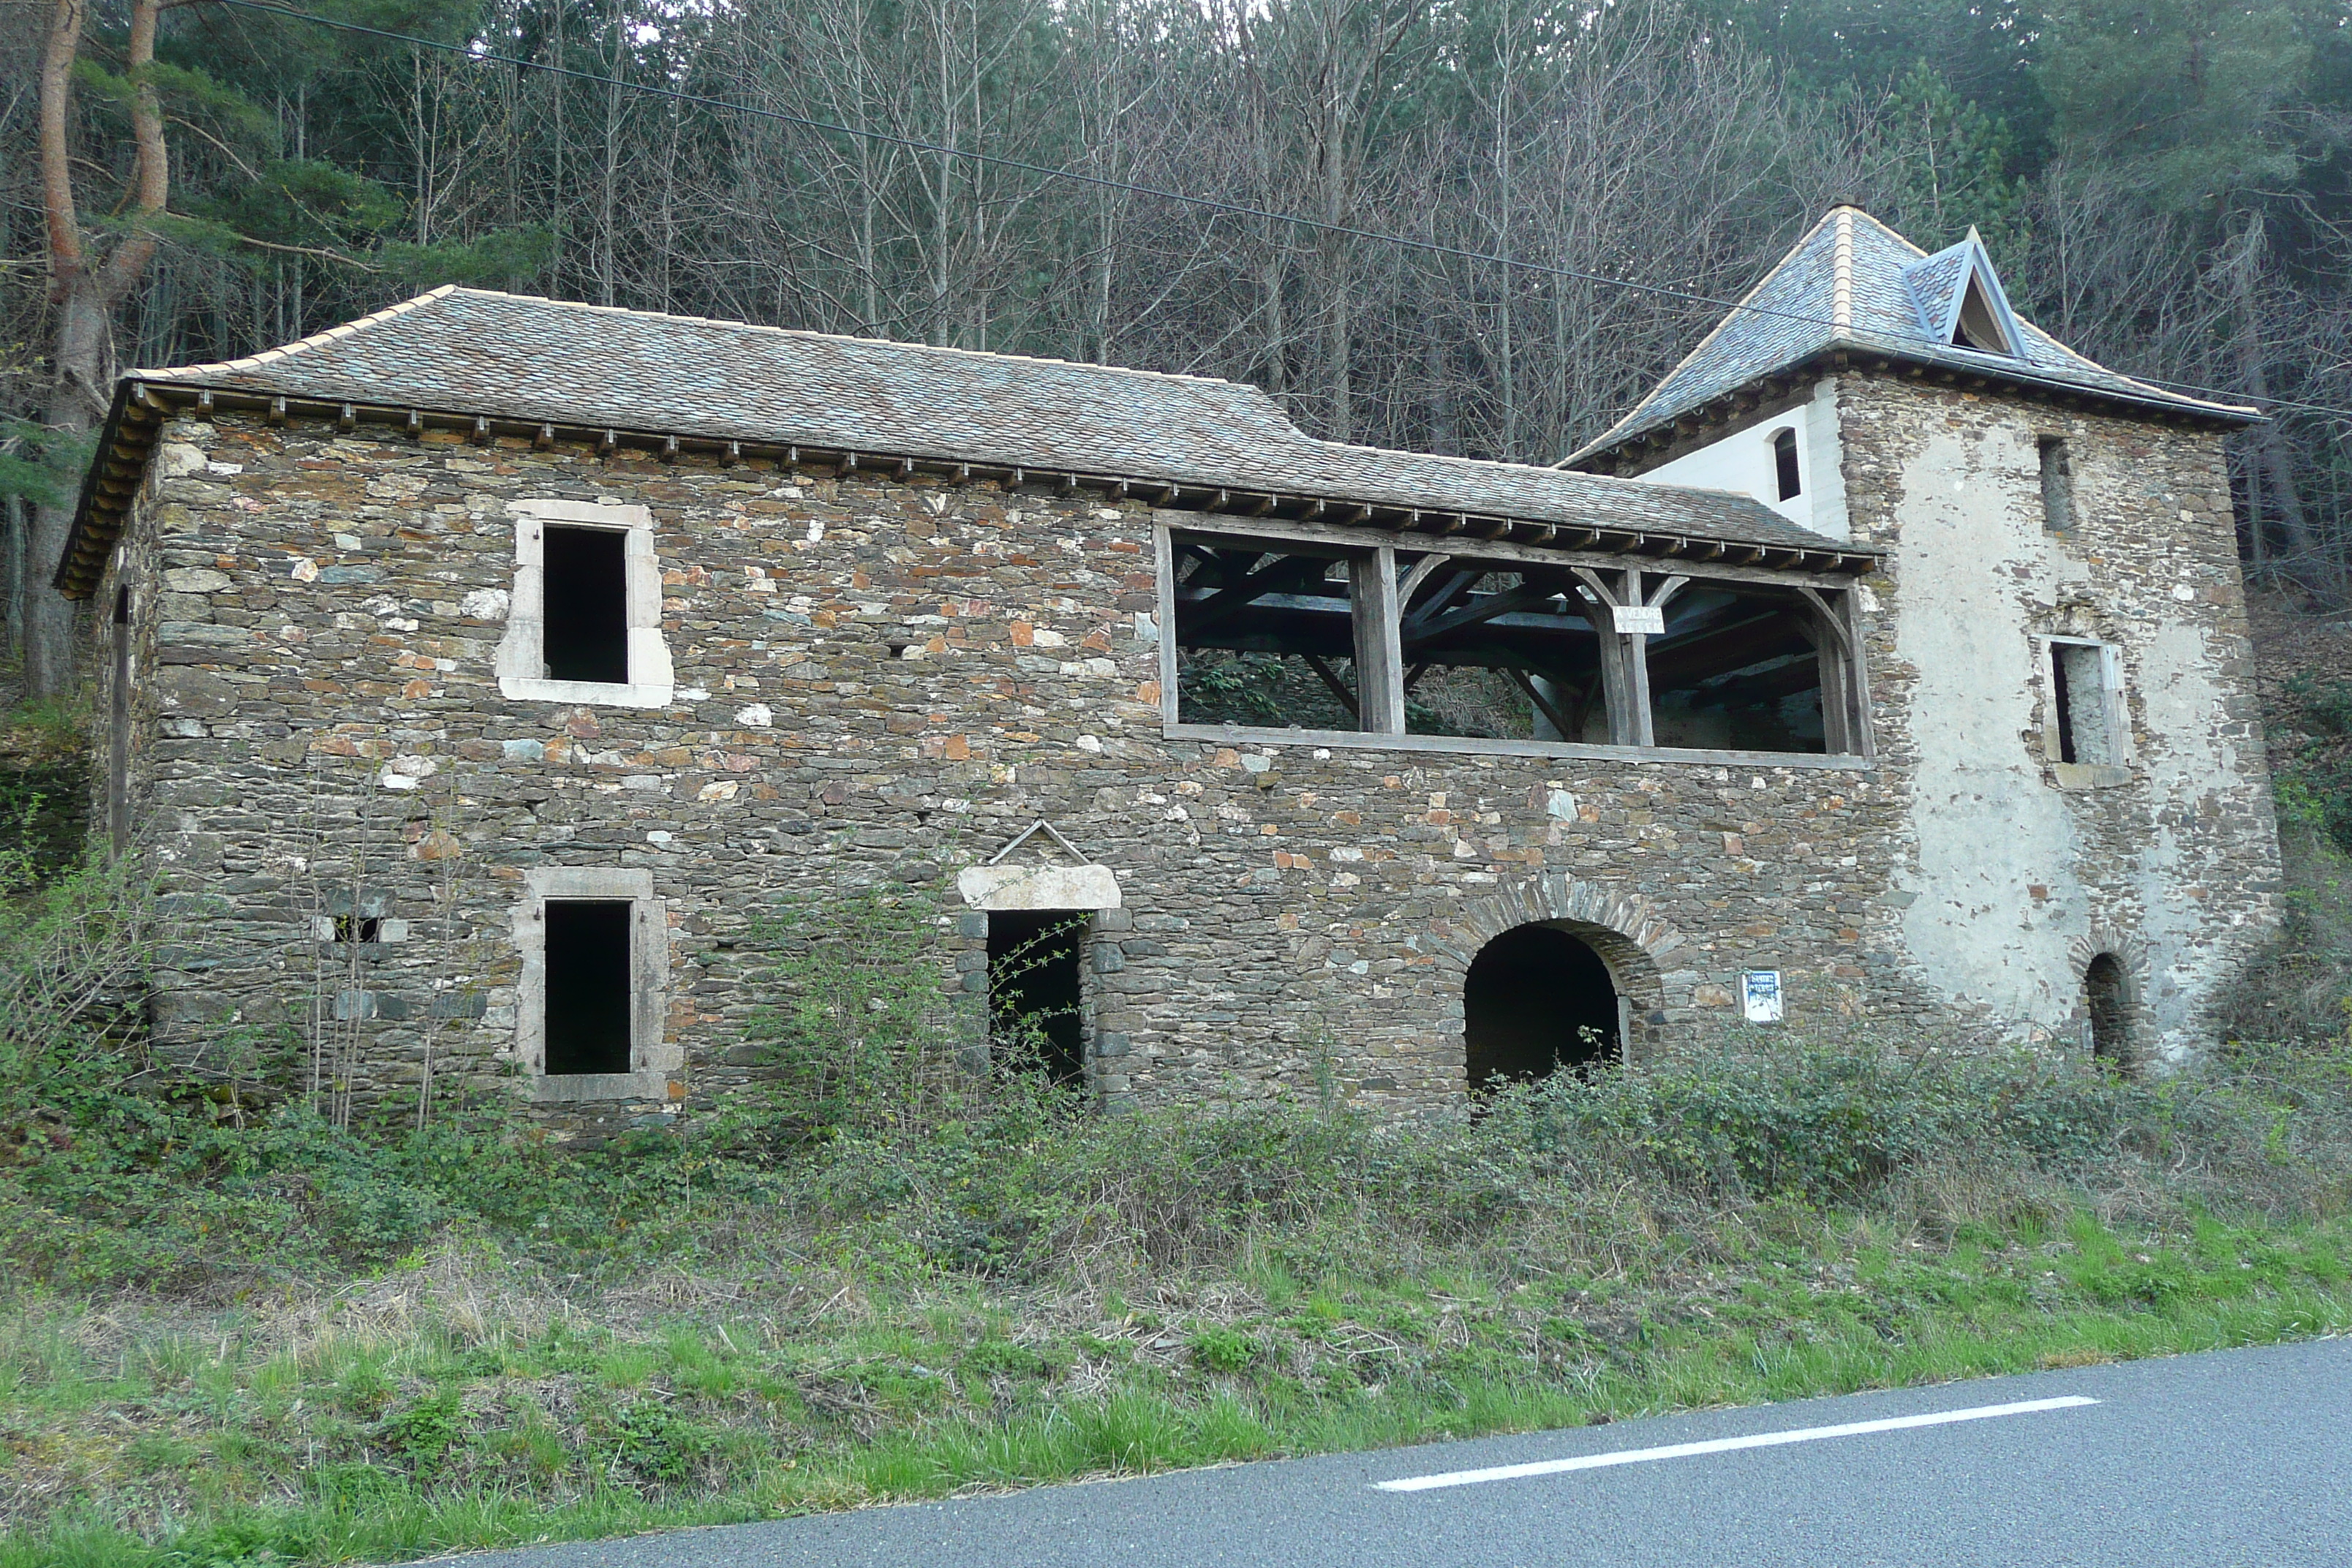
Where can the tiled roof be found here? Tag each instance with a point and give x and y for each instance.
(514, 357)
(1852, 283)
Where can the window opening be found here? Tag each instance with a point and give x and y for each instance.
(1266, 637)
(118, 729)
(1500, 655)
(1979, 326)
(1033, 990)
(1537, 1000)
(2057, 485)
(1746, 669)
(1784, 465)
(2079, 705)
(2103, 999)
(357, 928)
(588, 1000)
(586, 605)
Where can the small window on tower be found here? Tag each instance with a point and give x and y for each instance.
(587, 605)
(1784, 465)
(2057, 485)
(2084, 720)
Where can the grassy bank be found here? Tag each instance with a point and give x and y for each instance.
(280, 1342)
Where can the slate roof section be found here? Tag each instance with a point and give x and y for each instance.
(474, 351)
(1845, 287)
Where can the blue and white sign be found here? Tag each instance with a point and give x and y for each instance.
(1760, 994)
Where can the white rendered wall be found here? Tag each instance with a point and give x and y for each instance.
(1743, 462)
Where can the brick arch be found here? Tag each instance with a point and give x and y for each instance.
(1630, 936)
(2131, 956)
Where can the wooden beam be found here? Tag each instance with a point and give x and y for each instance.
(1418, 575)
(1338, 688)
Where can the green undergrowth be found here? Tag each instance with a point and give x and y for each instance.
(232, 1332)
(276, 1342)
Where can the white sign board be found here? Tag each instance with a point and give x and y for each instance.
(1633, 618)
(1760, 994)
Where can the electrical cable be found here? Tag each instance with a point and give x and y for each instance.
(1231, 209)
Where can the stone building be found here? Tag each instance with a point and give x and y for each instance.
(481, 673)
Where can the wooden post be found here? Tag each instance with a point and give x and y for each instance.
(1615, 698)
(1379, 646)
(1635, 652)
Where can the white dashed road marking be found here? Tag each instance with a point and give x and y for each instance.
(1726, 1445)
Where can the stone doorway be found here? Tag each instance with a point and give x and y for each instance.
(2107, 1000)
(1536, 999)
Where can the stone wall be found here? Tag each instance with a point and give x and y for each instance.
(2011, 873)
(884, 679)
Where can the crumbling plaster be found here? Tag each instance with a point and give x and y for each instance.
(2005, 869)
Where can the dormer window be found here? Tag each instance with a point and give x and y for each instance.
(1789, 482)
(1960, 302)
(1979, 326)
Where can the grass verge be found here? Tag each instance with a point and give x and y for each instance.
(675, 1334)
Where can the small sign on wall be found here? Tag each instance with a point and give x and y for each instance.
(1643, 618)
(1760, 994)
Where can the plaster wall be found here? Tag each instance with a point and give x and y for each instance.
(1743, 462)
(2017, 869)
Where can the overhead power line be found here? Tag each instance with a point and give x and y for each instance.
(1099, 181)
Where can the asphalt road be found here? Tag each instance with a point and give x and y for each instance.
(2235, 1457)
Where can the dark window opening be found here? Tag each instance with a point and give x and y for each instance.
(586, 607)
(588, 1001)
(118, 729)
(2078, 703)
(1033, 990)
(1979, 326)
(1784, 465)
(1264, 636)
(2057, 485)
(1510, 656)
(1743, 669)
(2102, 999)
(1537, 1000)
(357, 928)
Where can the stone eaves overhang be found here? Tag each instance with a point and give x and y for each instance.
(140, 408)
(1638, 451)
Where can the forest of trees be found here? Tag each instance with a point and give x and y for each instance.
(2162, 182)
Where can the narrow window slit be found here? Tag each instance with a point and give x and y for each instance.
(2057, 485)
(1784, 465)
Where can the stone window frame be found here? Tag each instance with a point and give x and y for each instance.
(522, 654)
(1372, 555)
(653, 1058)
(2114, 711)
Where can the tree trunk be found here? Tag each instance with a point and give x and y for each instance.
(84, 297)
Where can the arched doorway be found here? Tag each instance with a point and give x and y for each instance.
(1536, 999)
(2106, 1001)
